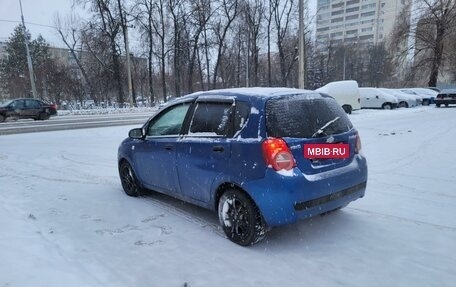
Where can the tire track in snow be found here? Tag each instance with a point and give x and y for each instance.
(404, 219)
(205, 224)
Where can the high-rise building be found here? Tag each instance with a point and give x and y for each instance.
(356, 21)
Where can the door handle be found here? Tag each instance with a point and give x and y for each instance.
(169, 147)
(218, 148)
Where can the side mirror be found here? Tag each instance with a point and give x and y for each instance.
(136, 133)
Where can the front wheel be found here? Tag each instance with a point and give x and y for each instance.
(387, 106)
(2, 118)
(426, 102)
(240, 218)
(128, 179)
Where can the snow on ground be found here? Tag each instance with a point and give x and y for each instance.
(66, 222)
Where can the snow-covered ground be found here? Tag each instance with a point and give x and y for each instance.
(65, 221)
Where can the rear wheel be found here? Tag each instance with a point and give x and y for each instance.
(437, 105)
(240, 218)
(387, 106)
(347, 108)
(426, 102)
(403, 105)
(2, 118)
(43, 116)
(128, 179)
(446, 105)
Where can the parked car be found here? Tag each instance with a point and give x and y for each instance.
(404, 100)
(373, 98)
(446, 97)
(27, 109)
(426, 95)
(240, 152)
(345, 92)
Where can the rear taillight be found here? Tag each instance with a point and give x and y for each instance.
(277, 154)
(357, 144)
(54, 106)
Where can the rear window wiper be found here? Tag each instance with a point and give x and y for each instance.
(325, 126)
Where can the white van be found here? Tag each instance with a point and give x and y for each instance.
(346, 94)
(373, 98)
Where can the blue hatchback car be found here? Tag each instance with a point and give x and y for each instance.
(240, 152)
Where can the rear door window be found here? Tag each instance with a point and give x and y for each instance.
(301, 116)
(32, 104)
(241, 114)
(211, 119)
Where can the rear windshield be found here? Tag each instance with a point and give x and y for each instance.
(301, 116)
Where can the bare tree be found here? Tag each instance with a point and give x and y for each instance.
(71, 37)
(283, 12)
(229, 10)
(201, 13)
(145, 19)
(437, 19)
(160, 25)
(254, 11)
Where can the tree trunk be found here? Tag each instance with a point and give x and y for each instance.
(437, 58)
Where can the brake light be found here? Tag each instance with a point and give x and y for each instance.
(54, 106)
(357, 144)
(277, 154)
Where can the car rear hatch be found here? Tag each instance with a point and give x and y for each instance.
(310, 119)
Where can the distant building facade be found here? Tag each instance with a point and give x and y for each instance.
(365, 22)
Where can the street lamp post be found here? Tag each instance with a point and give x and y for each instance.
(301, 70)
(29, 59)
(127, 51)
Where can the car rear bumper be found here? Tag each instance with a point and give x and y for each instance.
(445, 102)
(330, 198)
(284, 199)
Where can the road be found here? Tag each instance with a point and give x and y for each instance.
(73, 122)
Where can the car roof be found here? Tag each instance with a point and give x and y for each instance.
(259, 93)
(253, 92)
(448, 91)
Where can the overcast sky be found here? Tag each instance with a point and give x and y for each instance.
(42, 12)
(35, 11)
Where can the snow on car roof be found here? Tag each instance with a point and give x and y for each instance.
(254, 91)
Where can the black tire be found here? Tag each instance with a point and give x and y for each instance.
(128, 179)
(43, 116)
(240, 218)
(426, 102)
(347, 108)
(2, 118)
(437, 105)
(403, 105)
(387, 106)
(446, 105)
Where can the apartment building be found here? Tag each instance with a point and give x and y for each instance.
(364, 22)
